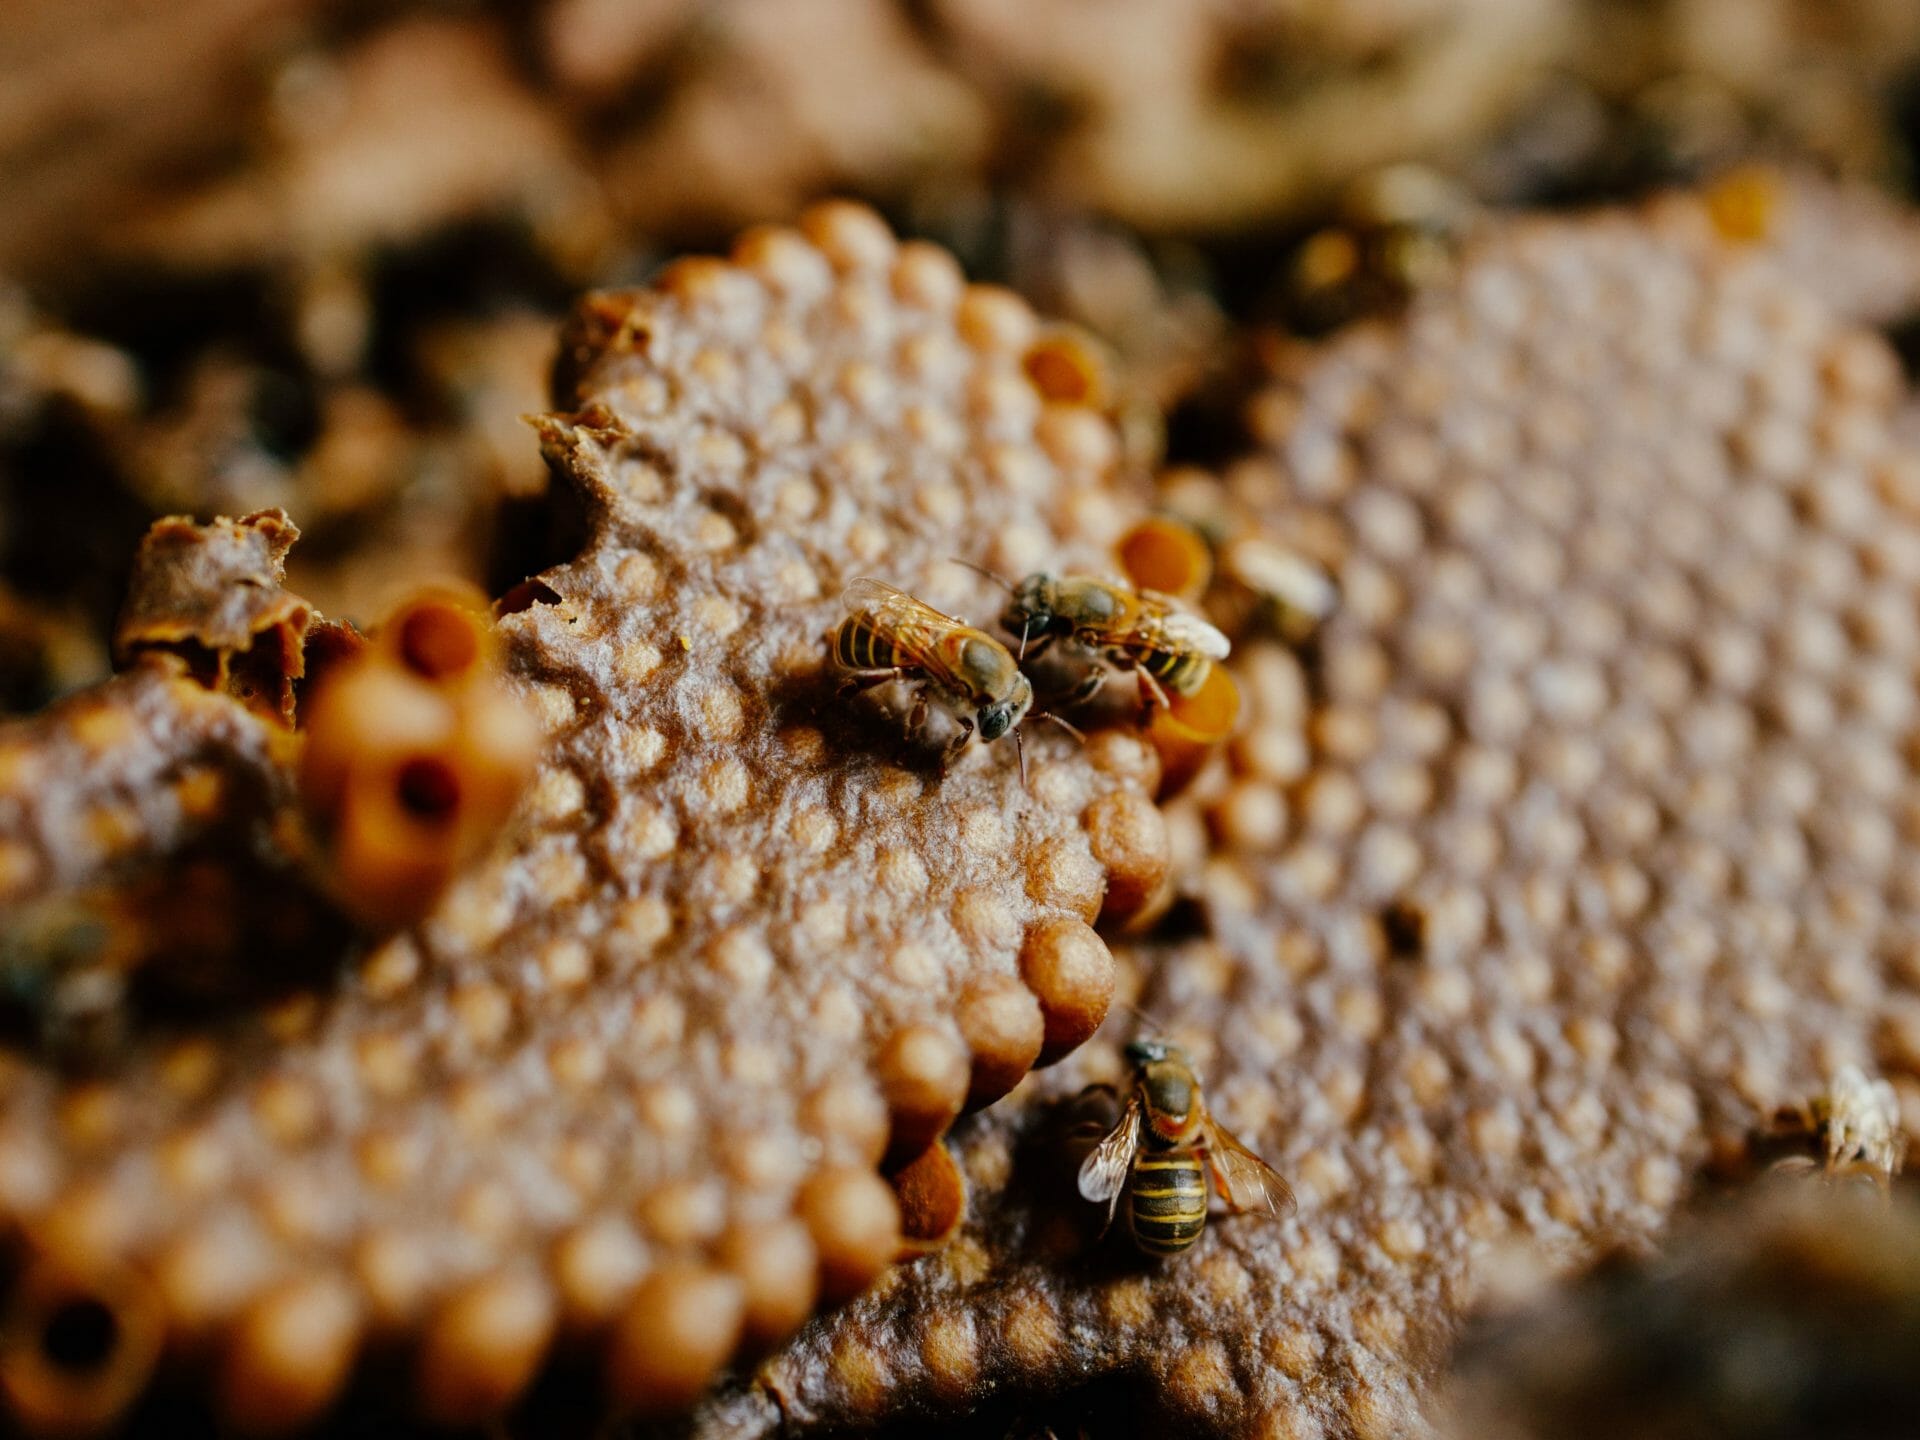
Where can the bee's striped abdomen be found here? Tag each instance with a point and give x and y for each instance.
(1168, 1201)
(1181, 671)
(859, 645)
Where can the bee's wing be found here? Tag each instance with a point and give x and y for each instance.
(1190, 632)
(1863, 1122)
(1288, 577)
(1244, 1180)
(882, 599)
(1103, 1174)
(912, 624)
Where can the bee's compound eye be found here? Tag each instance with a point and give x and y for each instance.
(995, 720)
(1029, 605)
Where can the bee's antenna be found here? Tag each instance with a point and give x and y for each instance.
(1025, 625)
(1068, 726)
(1142, 1016)
(1000, 580)
(1020, 752)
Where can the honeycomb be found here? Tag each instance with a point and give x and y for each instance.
(327, 180)
(1216, 114)
(335, 131)
(156, 85)
(1854, 248)
(145, 858)
(771, 105)
(1576, 841)
(622, 1097)
(148, 764)
(1800, 76)
(212, 594)
(416, 754)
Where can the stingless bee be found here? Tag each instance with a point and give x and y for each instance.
(1162, 1152)
(1119, 629)
(1295, 594)
(890, 635)
(1855, 1125)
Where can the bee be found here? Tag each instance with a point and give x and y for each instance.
(889, 635)
(1397, 231)
(1162, 1153)
(1122, 629)
(1855, 1126)
(1294, 594)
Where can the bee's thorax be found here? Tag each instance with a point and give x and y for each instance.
(1169, 1097)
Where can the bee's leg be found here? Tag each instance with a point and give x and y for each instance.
(1089, 686)
(858, 680)
(1156, 697)
(917, 715)
(957, 744)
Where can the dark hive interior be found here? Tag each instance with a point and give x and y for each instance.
(469, 964)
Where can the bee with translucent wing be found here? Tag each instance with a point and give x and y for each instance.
(890, 635)
(1856, 1126)
(1165, 1150)
(1115, 628)
(1295, 594)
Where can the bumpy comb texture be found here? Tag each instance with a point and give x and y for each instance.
(624, 1092)
(1580, 836)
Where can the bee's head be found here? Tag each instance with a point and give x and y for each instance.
(997, 716)
(1032, 609)
(1147, 1052)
